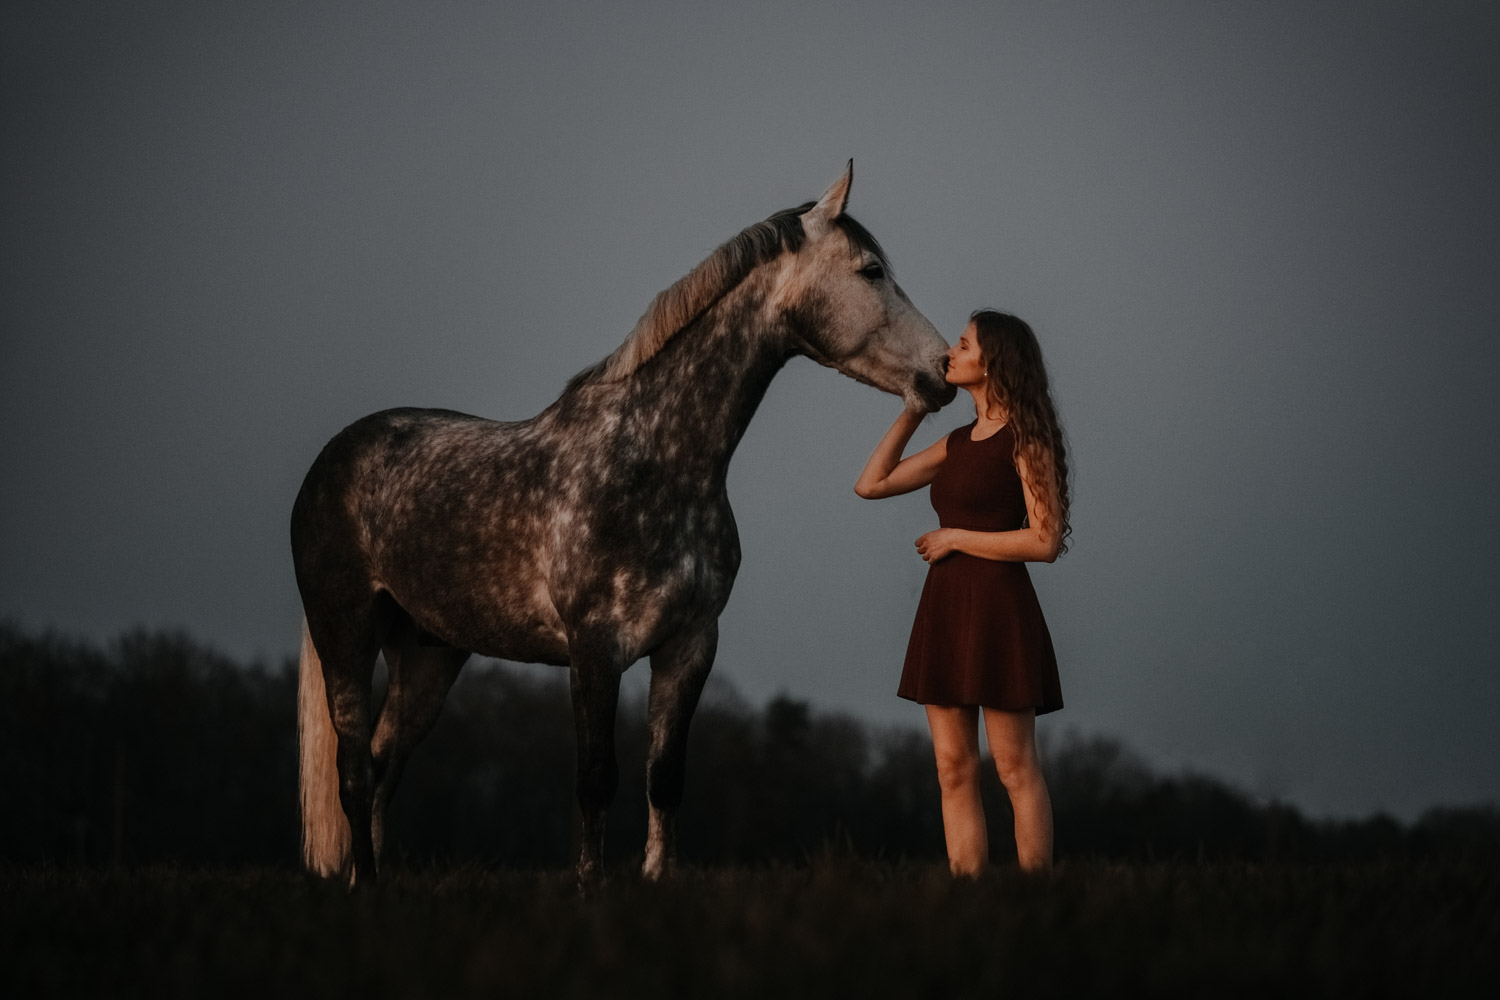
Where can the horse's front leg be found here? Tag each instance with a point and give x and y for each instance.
(596, 696)
(679, 669)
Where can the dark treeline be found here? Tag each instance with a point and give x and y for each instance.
(158, 749)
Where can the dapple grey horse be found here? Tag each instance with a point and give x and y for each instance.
(595, 533)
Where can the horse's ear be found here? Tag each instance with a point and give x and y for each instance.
(831, 205)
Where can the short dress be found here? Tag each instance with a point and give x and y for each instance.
(979, 637)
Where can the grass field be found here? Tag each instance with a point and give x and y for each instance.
(834, 927)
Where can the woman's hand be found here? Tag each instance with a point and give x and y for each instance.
(937, 544)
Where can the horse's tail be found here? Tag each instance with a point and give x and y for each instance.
(325, 829)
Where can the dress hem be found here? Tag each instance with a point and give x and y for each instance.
(1041, 709)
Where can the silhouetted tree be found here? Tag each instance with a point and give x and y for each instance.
(157, 748)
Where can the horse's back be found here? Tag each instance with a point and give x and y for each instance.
(374, 445)
(399, 430)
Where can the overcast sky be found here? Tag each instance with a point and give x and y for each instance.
(1260, 244)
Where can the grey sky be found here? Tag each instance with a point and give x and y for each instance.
(1260, 243)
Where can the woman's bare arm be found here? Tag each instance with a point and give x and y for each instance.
(1037, 542)
(887, 474)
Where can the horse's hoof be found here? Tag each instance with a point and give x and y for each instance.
(360, 882)
(589, 880)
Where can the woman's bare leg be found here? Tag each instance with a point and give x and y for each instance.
(1012, 738)
(955, 743)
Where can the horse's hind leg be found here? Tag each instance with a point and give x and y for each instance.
(347, 641)
(679, 669)
(420, 676)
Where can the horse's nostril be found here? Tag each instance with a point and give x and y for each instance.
(935, 391)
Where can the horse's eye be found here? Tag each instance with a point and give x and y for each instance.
(872, 272)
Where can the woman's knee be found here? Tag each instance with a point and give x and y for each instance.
(1012, 740)
(1018, 767)
(957, 767)
(955, 745)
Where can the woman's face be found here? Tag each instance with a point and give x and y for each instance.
(965, 366)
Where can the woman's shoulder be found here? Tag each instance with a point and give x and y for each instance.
(962, 433)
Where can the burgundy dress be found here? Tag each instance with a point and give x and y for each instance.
(979, 637)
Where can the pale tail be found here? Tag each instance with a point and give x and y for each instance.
(325, 829)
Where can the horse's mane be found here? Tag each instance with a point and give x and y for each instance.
(677, 306)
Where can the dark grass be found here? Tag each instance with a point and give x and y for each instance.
(833, 927)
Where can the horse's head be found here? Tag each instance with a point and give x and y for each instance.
(845, 310)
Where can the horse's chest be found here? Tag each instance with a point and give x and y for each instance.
(643, 573)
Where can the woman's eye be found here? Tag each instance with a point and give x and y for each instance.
(872, 272)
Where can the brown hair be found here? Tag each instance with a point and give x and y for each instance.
(1016, 379)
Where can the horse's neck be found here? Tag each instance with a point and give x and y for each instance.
(708, 380)
(688, 406)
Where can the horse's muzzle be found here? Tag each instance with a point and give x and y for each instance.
(935, 392)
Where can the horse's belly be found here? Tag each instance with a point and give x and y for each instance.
(523, 648)
(508, 638)
(503, 617)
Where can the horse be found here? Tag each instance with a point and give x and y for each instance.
(593, 534)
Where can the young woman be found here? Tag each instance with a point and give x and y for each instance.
(979, 643)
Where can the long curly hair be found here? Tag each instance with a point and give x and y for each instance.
(1016, 381)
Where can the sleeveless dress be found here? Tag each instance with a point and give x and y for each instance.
(979, 637)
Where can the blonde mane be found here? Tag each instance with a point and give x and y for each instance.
(676, 307)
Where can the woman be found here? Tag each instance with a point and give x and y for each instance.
(1000, 489)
